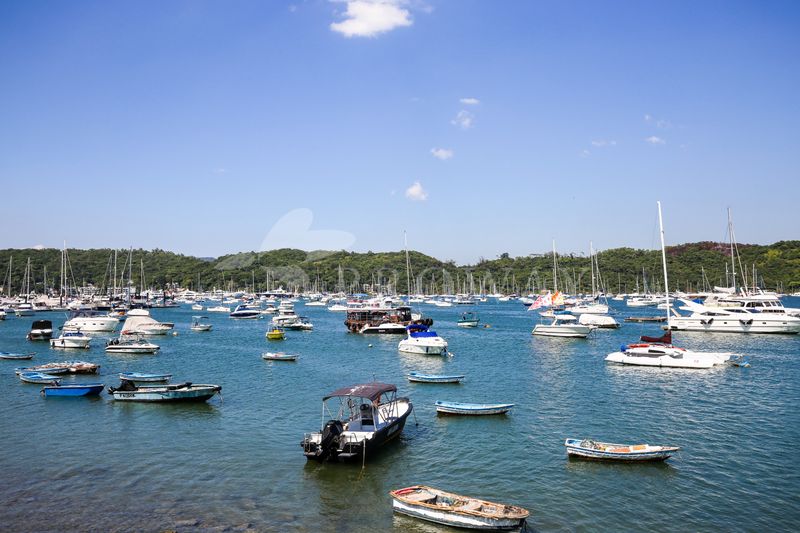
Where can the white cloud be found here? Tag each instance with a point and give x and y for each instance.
(470, 101)
(463, 120)
(655, 140)
(442, 153)
(38, 247)
(368, 18)
(648, 118)
(604, 142)
(416, 192)
(293, 230)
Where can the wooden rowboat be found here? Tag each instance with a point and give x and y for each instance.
(604, 451)
(278, 356)
(419, 377)
(16, 356)
(137, 377)
(455, 510)
(459, 408)
(82, 389)
(39, 378)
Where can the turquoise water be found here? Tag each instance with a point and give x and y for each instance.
(236, 463)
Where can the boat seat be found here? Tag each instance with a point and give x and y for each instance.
(471, 505)
(421, 497)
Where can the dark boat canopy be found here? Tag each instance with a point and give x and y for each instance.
(42, 324)
(372, 390)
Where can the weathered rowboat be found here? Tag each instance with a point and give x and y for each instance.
(455, 510)
(419, 377)
(459, 408)
(278, 356)
(145, 378)
(604, 451)
(16, 356)
(78, 389)
(39, 378)
(185, 392)
(64, 367)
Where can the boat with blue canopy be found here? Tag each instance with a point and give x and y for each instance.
(422, 340)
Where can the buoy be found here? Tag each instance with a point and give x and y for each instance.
(369, 346)
(174, 333)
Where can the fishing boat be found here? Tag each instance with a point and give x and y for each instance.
(459, 408)
(423, 341)
(356, 421)
(604, 451)
(455, 510)
(245, 311)
(469, 320)
(131, 346)
(39, 378)
(419, 377)
(41, 330)
(185, 392)
(278, 356)
(563, 325)
(71, 339)
(276, 334)
(140, 377)
(16, 356)
(78, 389)
(199, 325)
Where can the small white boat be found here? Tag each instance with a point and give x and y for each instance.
(278, 356)
(302, 323)
(451, 509)
(598, 321)
(71, 339)
(197, 307)
(199, 325)
(563, 325)
(138, 377)
(41, 330)
(245, 311)
(131, 346)
(39, 378)
(16, 356)
(604, 451)
(469, 320)
(219, 309)
(423, 341)
(460, 408)
(419, 377)
(139, 322)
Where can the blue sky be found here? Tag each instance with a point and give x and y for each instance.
(480, 127)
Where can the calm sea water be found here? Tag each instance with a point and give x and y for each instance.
(236, 464)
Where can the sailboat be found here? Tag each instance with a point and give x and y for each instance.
(659, 351)
(562, 325)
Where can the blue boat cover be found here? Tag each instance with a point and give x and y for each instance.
(418, 334)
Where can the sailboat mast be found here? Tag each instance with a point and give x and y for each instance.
(733, 257)
(555, 270)
(591, 261)
(408, 265)
(664, 262)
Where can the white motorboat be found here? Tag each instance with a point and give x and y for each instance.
(71, 339)
(199, 325)
(423, 341)
(301, 323)
(563, 325)
(41, 330)
(598, 321)
(732, 320)
(286, 314)
(139, 322)
(219, 309)
(88, 320)
(245, 311)
(588, 308)
(131, 346)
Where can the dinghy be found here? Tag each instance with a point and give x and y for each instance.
(455, 510)
(137, 377)
(278, 356)
(39, 378)
(469, 320)
(82, 389)
(604, 451)
(16, 356)
(459, 408)
(419, 377)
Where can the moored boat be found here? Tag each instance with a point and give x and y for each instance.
(419, 377)
(184, 392)
(137, 377)
(199, 325)
(278, 356)
(41, 330)
(276, 334)
(78, 389)
(563, 325)
(39, 378)
(461, 408)
(245, 311)
(71, 339)
(360, 419)
(16, 356)
(64, 367)
(422, 340)
(469, 320)
(131, 346)
(435, 505)
(590, 449)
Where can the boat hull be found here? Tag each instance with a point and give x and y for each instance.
(67, 342)
(722, 324)
(194, 393)
(472, 409)
(576, 331)
(89, 389)
(645, 454)
(433, 378)
(457, 520)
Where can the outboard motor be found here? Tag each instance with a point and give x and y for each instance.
(330, 437)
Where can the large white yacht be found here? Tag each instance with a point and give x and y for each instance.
(88, 320)
(735, 318)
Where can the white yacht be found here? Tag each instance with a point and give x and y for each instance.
(563, 325)
(286, 314)
(139, 322)
(88, 320)
(246, 311)
(423, 341)
(666, 355)
(71, 339)
(734, 319)
(598, 321)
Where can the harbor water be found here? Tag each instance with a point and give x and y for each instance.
(235, 463)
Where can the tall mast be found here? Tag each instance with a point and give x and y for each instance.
(664, 262)
(555, 270)
(733, 258)
(408, 265)
(591, 261)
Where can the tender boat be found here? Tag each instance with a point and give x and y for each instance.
(455, 510)
(39, 378)
(276, 334)
(245, 311)
(71, 339)
(185, 392)
(360, 419)
(278, 356)
(469, 320)
(199, 325)
(82, 389)
(132, 346)
(604, 451)
(138, 377)
(41, 330)
(459, 408)
(422, 340)
(16, 356)
(64, 367)
(419, 377)
(563, 325)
